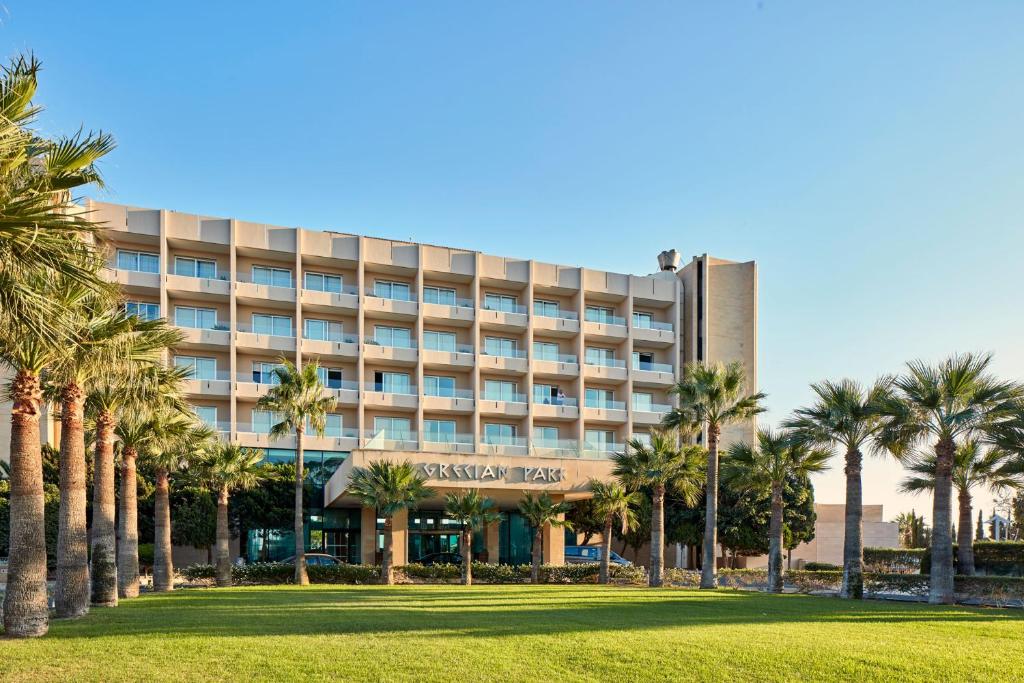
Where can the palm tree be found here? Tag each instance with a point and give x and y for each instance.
(845, 415)
(181, 441)
(472, 511)
(542, 511)
(132, 387)
(956, 400)
(611, 501)
(389, 488)
(712, 396)
(101, 337)
(300, 400)
(914, 533)
(661, 464)
(764, 468)
(226, 468)
(973, 466)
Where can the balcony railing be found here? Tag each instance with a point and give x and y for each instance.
(338, 338)
(457, 348)
(381, 388)
(604, 318)
(561, 445)
(507, 398)
(262, 331)
(344, 385)
(218, 327)
(449, 393)
(345, 289)
(223, 277)
(604, 404)
(220, 426)
(512, 441)
(217, 376)
(606, 362)
(559, 314)
(457, 302)
(652, 408)
(570, 358)
(556, 401)
(248, 279)
(652, 325)
(392, 296)
(606, 447)
(503, 353)
(652, 367)
(390, 440)
(454, 439)
(402, 344)
(504, 308)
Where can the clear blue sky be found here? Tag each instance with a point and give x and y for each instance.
(870, 158)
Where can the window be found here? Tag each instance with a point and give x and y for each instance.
(439, 341)
(642, 320)
(545, 351)
(499, 390)
(644, 438)
(547, 394)
(599, 440)
(600, 314)
(264, 420)
(332, 425)
(263, 373)
(439, 431)
(599, 398)
(386, 289)
(394, 428)
(642, 360)
(138, 261)
(545, 437)
(600, 356)
(548, 309)
(439, 295)
(400, 337)
(322, 330)
(500, 346)
(142, 309)
(199, 368)
(274, 325)
(330, 377)
(643, 402)
(207, 414)
(391, 382)
(321, 282)
(438, 386)
(501, 302)
(198, 318)
(267, 275)
(195, 267)
(499, 434)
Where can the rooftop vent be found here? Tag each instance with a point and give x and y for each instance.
(668, 260)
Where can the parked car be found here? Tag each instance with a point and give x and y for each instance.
(582, 554)
(441, 558)
(315, 559)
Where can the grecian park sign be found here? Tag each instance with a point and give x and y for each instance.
(486, 473)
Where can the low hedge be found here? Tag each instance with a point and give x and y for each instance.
(893, 560)
(821, 567)
(268, 573)
(999, 558)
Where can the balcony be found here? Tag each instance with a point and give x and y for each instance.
(611, 369)
(390, 441)
(201, 287)
(655, 333)
(454, 401)
(380, 396)
(461, 356)
(509, 362)
(448, 443)
(205, 337)
(556, 323)
(460, 313)
(247, 435)
(604, 326)
(604, 411)
(346, 440)
(653, 374)
(347, 298)
(512, 406)
(278, 294)
(133, 280)
(555, 448)
(400, 308)
(506, 445)
(251, 385)
(560, 365)
(247, 337)
(339, 346)
(404, 354)
(564, 408)
(217, 385)
(601, 450)
(346, 392)
(650, 414)
(506, 318)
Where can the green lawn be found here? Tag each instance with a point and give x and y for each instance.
(513, 633)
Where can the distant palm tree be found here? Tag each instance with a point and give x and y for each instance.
(958, 399)
(973, 466)
(179, 440)
(472, 511)
(612, 502)
(845, 415)
(228, 467)
(661, 464)
(301, 402)
(764, 468)
(389, 488)
(711, 397)
(101, 338)
(542, 511)
(914, 533)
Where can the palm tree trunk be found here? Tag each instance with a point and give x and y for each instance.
(104, 534)
(942, 544)
(606, 550)
(71, 593)
(128, 529)
(853, 538)
(707, 573)
(387, 575)
(535, 554)
(965, 544)
(467, 559)
(657, 536)
(301, 577)
(775, 541)
(26, 607)
(223, 540)
(163, 563)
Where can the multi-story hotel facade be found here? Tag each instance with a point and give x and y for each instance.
(503, 374)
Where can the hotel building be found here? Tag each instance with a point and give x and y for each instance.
(503, 374)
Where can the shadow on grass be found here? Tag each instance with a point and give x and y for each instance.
(482, 611)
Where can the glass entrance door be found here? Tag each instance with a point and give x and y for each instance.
(422, 544)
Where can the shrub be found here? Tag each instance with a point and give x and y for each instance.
(821, 567)
(570, 573)
(743, 578)
(198, 572)
(630, 574)
(903, 584)
(146, 555)
(811, 581)
(344, 573)
(688, 578)
(433, 572)
(500, 573)
(262, 573)
(893, 560)
(996, 590)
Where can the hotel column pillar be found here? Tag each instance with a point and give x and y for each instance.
(554, 544)
(492, 537)
(400, 537)
(368, 536)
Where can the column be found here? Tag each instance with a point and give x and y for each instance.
(554, 544)
(492, 537)
(232, 306)
(368, 535)
(400, 537)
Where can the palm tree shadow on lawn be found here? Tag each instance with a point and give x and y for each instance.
(288, 611)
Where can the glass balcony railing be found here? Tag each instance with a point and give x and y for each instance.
(604, 404)
(345, 289)
(569, 358)
(386, 388)
(343, 385)
(644, 324)
(390, 439)
(457, 348)
(453, 302)
(223, 277)
(336, 337)
(603, 447)
(652, 408)
(436, 438)
(391, 343)
(652, 367)
(604, 318)
(555, 401)
(504, 396)
(218, 327)
(509, 441)
(605, 362)
(271, 281)
(503, 353)
(265, 331)
(391, 295)
(449, 393)
(217, 376)
(504, 308)
(558, 314)
(258, 377)
(562, 445)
